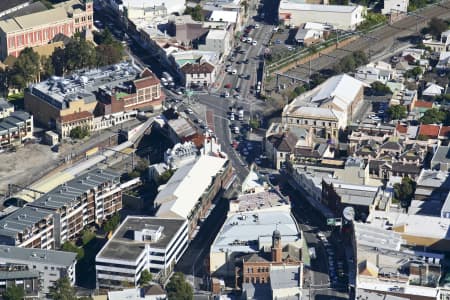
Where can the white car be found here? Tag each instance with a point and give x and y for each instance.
(254, 43)
(256, 26)
(275, 29)
(249, 40)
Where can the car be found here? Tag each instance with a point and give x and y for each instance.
(247, 77)
(245, 61)
(254, 43)
(290, 48)
(394, 59)
(188, 111)
(238, 89)
(380, 112)
(275, 29)
(376, 119)
(245, 153)
(226, 94)
(256, 26)
(234, 72)
(237, 96)
(249, 40)
(227, 86)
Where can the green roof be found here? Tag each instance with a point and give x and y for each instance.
(120, 95)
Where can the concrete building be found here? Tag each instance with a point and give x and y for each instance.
(50, 265)
(180, 130)
(15, 129)
(28, 227)
(217, 40)
(345, 17)
(23, 30)
(62, 213)
(154, 292)
(180, 155)
(112, 92)
(192, 189)
(311, 33)
(378, 71)
(326, 109)
(88, 199)
(136, 8)
(385, 266)
(441, 45)
(248, 230)
(5, 108)
(395, 7)
(141, 243)
(441, 159)
(20, 276)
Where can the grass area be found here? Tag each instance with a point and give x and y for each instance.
(85, 268)
(17, 100)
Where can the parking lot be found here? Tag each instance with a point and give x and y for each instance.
(283, 41)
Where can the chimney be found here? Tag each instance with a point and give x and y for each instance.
(276, 247)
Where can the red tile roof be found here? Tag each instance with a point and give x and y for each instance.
(424, 104)
(431, 131)
(78, 116)
(445, 131)
(146, 82)
(401, 128)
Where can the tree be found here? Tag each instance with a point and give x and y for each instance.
(404, 191)
(397, 112)
(433, 116)
(112, 223)
(164, 177)
(62, 290)
(178, 288)
(380, 89)
(146, 277)
(108, 54)
(414, 72)
(25, 70)
(13, 293)
(79, 132)
(195, 12)
(46, 67)
(87, 236)
(70, 247)
(436, 26)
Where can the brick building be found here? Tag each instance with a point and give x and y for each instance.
(23, 29)
(83, 98)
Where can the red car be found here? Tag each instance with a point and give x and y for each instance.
(227, 86)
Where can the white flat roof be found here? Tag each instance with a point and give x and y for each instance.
(289, 5)
(216, 34)
(224, 16)
(245, 232)
(186, 186)
(371, 236)
(416, 225)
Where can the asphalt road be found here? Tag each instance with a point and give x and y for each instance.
(381, 41)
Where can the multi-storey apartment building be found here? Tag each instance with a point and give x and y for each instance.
(50, 265)
(15, 128)
(87, 97)
(22, 29)
(28, 227)
(141, 243)
(62, 213)
(87, 199)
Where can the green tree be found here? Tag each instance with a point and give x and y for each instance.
(13, 293)
(62, 290)
(436, 26)
(195, 12)
(79, 132)
(380, 89)
(178, 288)
(46, 67)
(414, 72)
(25, 70)
(71, 247)
(108, 54)
(87, 236)
(146, 277)
(164, 177)
(433, 116)
(404, 191)
(397, 112)
(112, 223)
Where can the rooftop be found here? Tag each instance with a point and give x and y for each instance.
(182, 127)
(15, 119)
(368, 235)
(68, 193)
(184, 189)
(295, 5)
(442, 154)
(22, 220)
(223, 16)
(249, 232)
(258, 201)
(60, 91)
(123, 246)
(285, 277)
(29, 255)
(352, 193)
